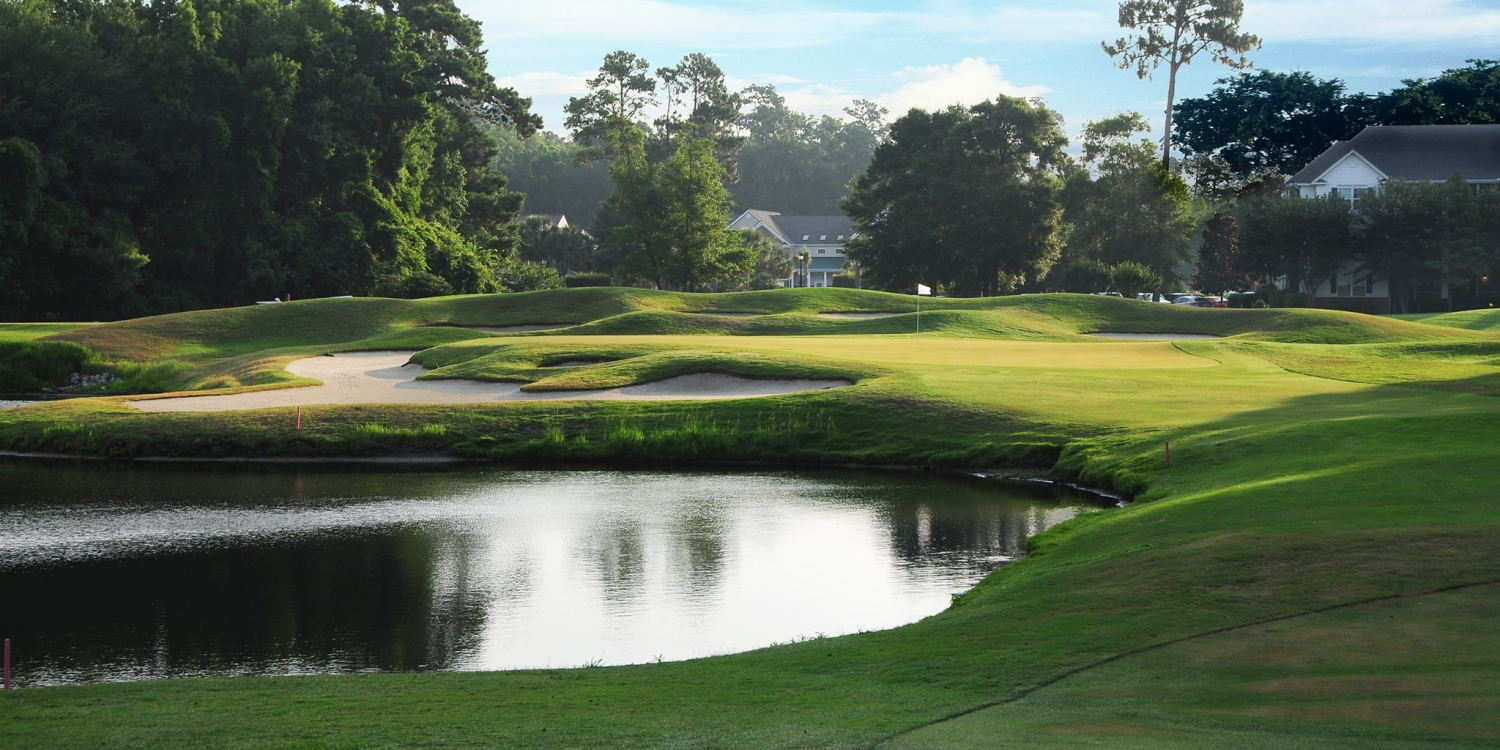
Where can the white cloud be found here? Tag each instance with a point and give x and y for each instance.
(643, 22)
(1395, 21)
(548, 83)
(969, 81)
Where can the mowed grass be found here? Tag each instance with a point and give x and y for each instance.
(33, 331)
(1199, 616)
(1472, 320)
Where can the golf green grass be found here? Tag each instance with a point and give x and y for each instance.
(1314, 570)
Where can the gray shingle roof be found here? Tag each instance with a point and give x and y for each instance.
(819, 230)
(1418, 152)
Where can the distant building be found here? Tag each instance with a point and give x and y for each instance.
(554, 221)
(823, 237)
(1354, 169)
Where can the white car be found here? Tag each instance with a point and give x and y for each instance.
(1186, 300)
(1153, 297)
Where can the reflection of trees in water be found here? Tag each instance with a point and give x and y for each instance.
(685, 537)
(337, 604)
(933, 530)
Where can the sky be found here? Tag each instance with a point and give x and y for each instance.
(823, 54)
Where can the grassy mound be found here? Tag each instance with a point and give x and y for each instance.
(1471, 320)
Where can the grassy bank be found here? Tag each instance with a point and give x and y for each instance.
(1309, 486)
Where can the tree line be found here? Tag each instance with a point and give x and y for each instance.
(177, 154)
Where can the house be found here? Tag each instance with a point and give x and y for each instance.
(822, 237)
(1355, 168)
(554, 221)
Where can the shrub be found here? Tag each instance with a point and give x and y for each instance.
(29, 366)
(586, 279)
(844, 281)
(1132, 278)
(1085, 277)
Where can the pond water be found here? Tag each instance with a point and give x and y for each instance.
(12, 404)
(111, 573)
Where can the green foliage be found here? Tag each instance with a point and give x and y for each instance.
(184, 155)
(1306, 239)
(1280, 122)
(1268, 121)
(966, 199)
(1173, 33)
(1084, 277)
(676, 216)
(30, 366)
(1123, 205)
(1219, 264)
(1424, 233)
(797, 164)
(563, 249)
(1130, 279)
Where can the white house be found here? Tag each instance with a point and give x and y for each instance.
(823, 237)
(1355, 168)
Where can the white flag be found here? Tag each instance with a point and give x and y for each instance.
(924, 291)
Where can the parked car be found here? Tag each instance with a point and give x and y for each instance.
(1108, 294)
(1153, 297)
(1186, 300)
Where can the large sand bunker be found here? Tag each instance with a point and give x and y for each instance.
(856, 315)
(386, 378)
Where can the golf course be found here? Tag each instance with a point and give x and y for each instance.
(1310, 564)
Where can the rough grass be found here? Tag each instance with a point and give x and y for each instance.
(1289, 493)
(33, 331)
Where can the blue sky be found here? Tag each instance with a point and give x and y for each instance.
(821, 54)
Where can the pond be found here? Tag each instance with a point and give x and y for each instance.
(114, 573)
(12, 404)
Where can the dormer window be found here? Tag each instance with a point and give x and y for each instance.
(822, 238)
(841, 238)
(805, 237)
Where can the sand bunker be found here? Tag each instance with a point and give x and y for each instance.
(519, 329)
(386, 378)
(1154, 336)
(856, 315)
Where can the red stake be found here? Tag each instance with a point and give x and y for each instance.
(299, 417)
(1169, 454)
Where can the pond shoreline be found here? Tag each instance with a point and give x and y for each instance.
(992, 474)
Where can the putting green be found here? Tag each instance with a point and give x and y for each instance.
(912, 350)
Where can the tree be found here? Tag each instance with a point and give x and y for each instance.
(698, 99)
(1268, 120)
(1173, 33)
(219, 151)
(1123, 206)
(963, 198)
(1218, 270)
(1459, 96)
(617, 97)
(1130, 279)
(562, 249)
(674, 216)
(1084, 277)
(1304, 239)
(773, 264)
(1417, 233)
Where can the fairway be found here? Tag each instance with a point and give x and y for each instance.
(913, 350)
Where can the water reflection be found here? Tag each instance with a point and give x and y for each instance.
(109, 573)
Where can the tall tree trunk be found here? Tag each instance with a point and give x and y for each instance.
(1166, 138)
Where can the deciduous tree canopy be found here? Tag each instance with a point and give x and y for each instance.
(171, 155)
(966, 198)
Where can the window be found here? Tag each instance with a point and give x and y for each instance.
(804, 238)
(822, 250)
(822, 238)
(841, 238)
(1333, 284)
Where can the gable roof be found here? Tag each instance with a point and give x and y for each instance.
(819, 230)
(1430, 153)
